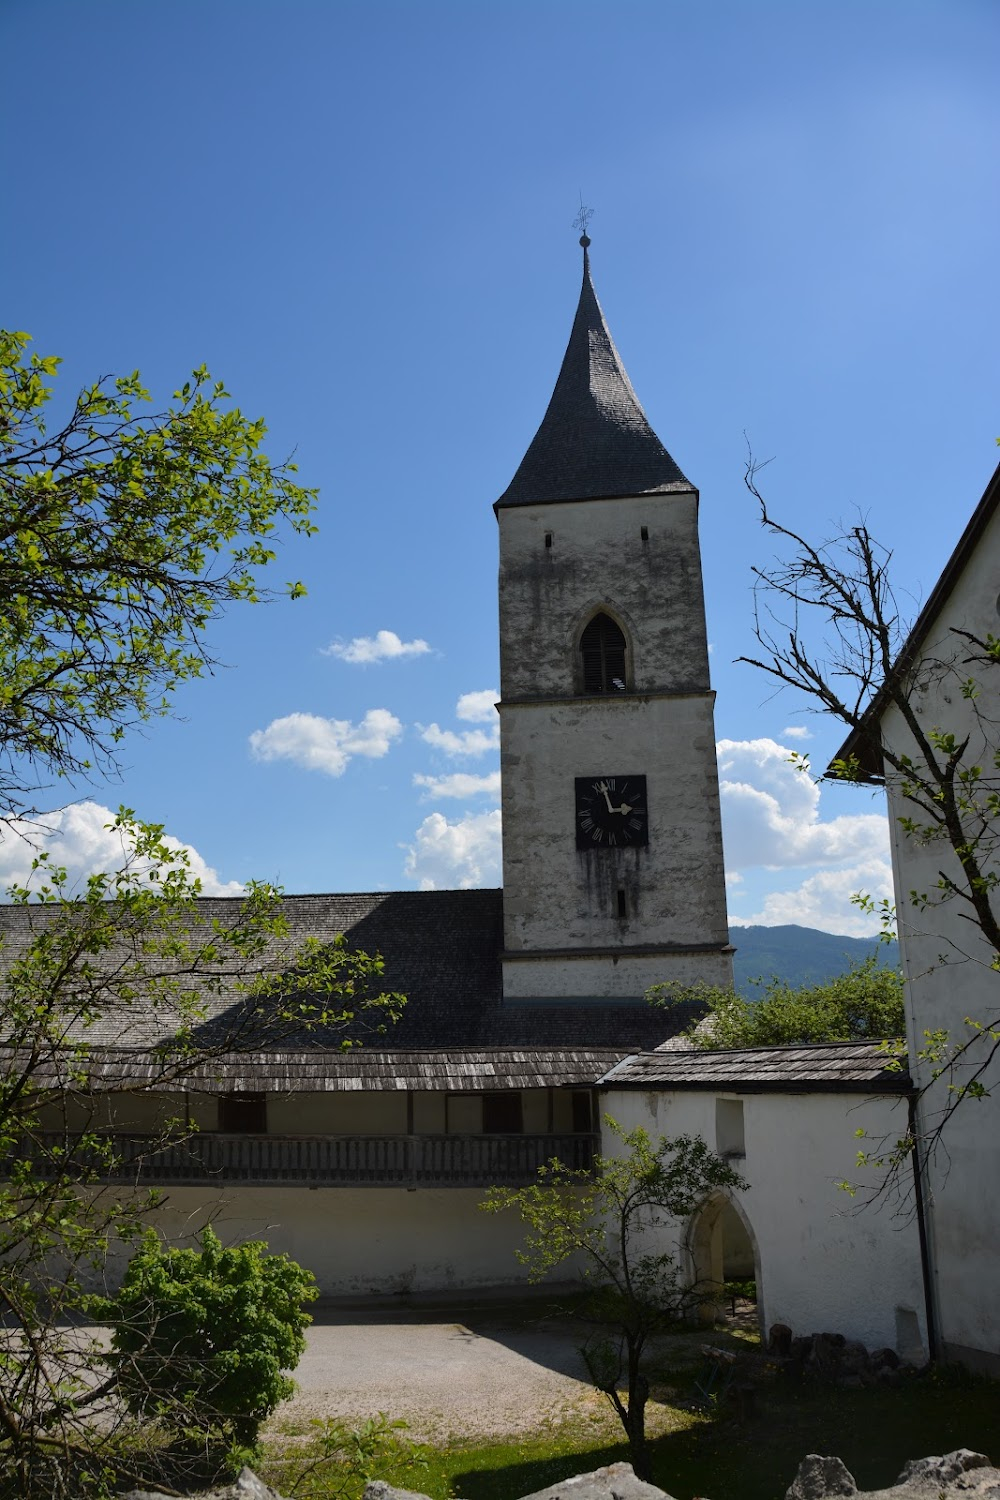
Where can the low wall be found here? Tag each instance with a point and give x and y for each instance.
(360, 1242)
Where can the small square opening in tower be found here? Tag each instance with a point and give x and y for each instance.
(548, 539)
(644, 533)
(622, 907)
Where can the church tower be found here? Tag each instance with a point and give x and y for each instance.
(612, 845)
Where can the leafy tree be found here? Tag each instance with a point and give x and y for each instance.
(125, 530)
(865, 1004)
(203, 1338)
(608, 1221)
(123, 533)
(132, 951)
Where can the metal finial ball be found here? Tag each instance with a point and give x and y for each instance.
(585, 241)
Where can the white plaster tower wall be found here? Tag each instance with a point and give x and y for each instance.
(599, 520)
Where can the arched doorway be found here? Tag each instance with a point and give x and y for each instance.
(721, 1246)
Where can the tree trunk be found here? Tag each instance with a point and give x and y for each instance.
(638, 1395)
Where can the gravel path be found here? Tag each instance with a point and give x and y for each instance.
(441, 1377)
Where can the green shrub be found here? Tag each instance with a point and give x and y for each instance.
(203, 1338)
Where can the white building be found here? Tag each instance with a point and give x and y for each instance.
(950, 963)
(786, 1118)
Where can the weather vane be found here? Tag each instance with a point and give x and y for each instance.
(582, 219)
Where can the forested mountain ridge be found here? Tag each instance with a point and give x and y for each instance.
(800, 955)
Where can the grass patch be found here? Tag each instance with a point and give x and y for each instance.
(875, 1431)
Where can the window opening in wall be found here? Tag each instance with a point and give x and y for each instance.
(548, 539)
(243, 1114)
(583, 1115)
(502, 1114)
(602, 646)
(644, 533)
(730, 1139)
(622, 907)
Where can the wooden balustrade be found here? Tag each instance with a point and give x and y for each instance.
(330, 1160)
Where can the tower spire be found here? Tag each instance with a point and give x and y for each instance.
(595, 440)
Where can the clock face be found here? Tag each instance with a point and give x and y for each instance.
(611, 812)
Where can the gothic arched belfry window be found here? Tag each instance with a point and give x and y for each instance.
(604, 649)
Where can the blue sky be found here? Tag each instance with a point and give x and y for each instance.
(359, 216)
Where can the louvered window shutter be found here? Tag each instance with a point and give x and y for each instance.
(602, 646)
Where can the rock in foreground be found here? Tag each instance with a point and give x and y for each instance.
(962, 1475)
(246, 1486)
(615, 1482)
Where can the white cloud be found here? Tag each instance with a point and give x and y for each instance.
(384, 645)
(479, 707)
(771, 814)
(797, 732)
(459, 784)
(823, 900)
(327, 745)
(79, 839)
(463, 854)
(772, 820)
(474, 708)
(469, 742)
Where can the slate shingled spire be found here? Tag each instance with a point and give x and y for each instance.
(595, 440)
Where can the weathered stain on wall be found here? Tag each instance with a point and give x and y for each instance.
(597, 557)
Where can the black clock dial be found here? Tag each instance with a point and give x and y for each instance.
(611, 812)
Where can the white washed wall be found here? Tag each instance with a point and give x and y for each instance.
(949, 977)
(825, 1265)
(360, 1242)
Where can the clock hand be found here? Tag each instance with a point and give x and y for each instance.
(603, 787)
(624, 809)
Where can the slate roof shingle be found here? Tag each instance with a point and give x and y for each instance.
(828, 1068)
(370, 1068)
(595, 440)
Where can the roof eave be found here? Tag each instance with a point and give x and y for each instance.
(676, 487)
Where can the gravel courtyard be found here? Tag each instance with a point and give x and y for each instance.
(504, 1375)
(472, 1371)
